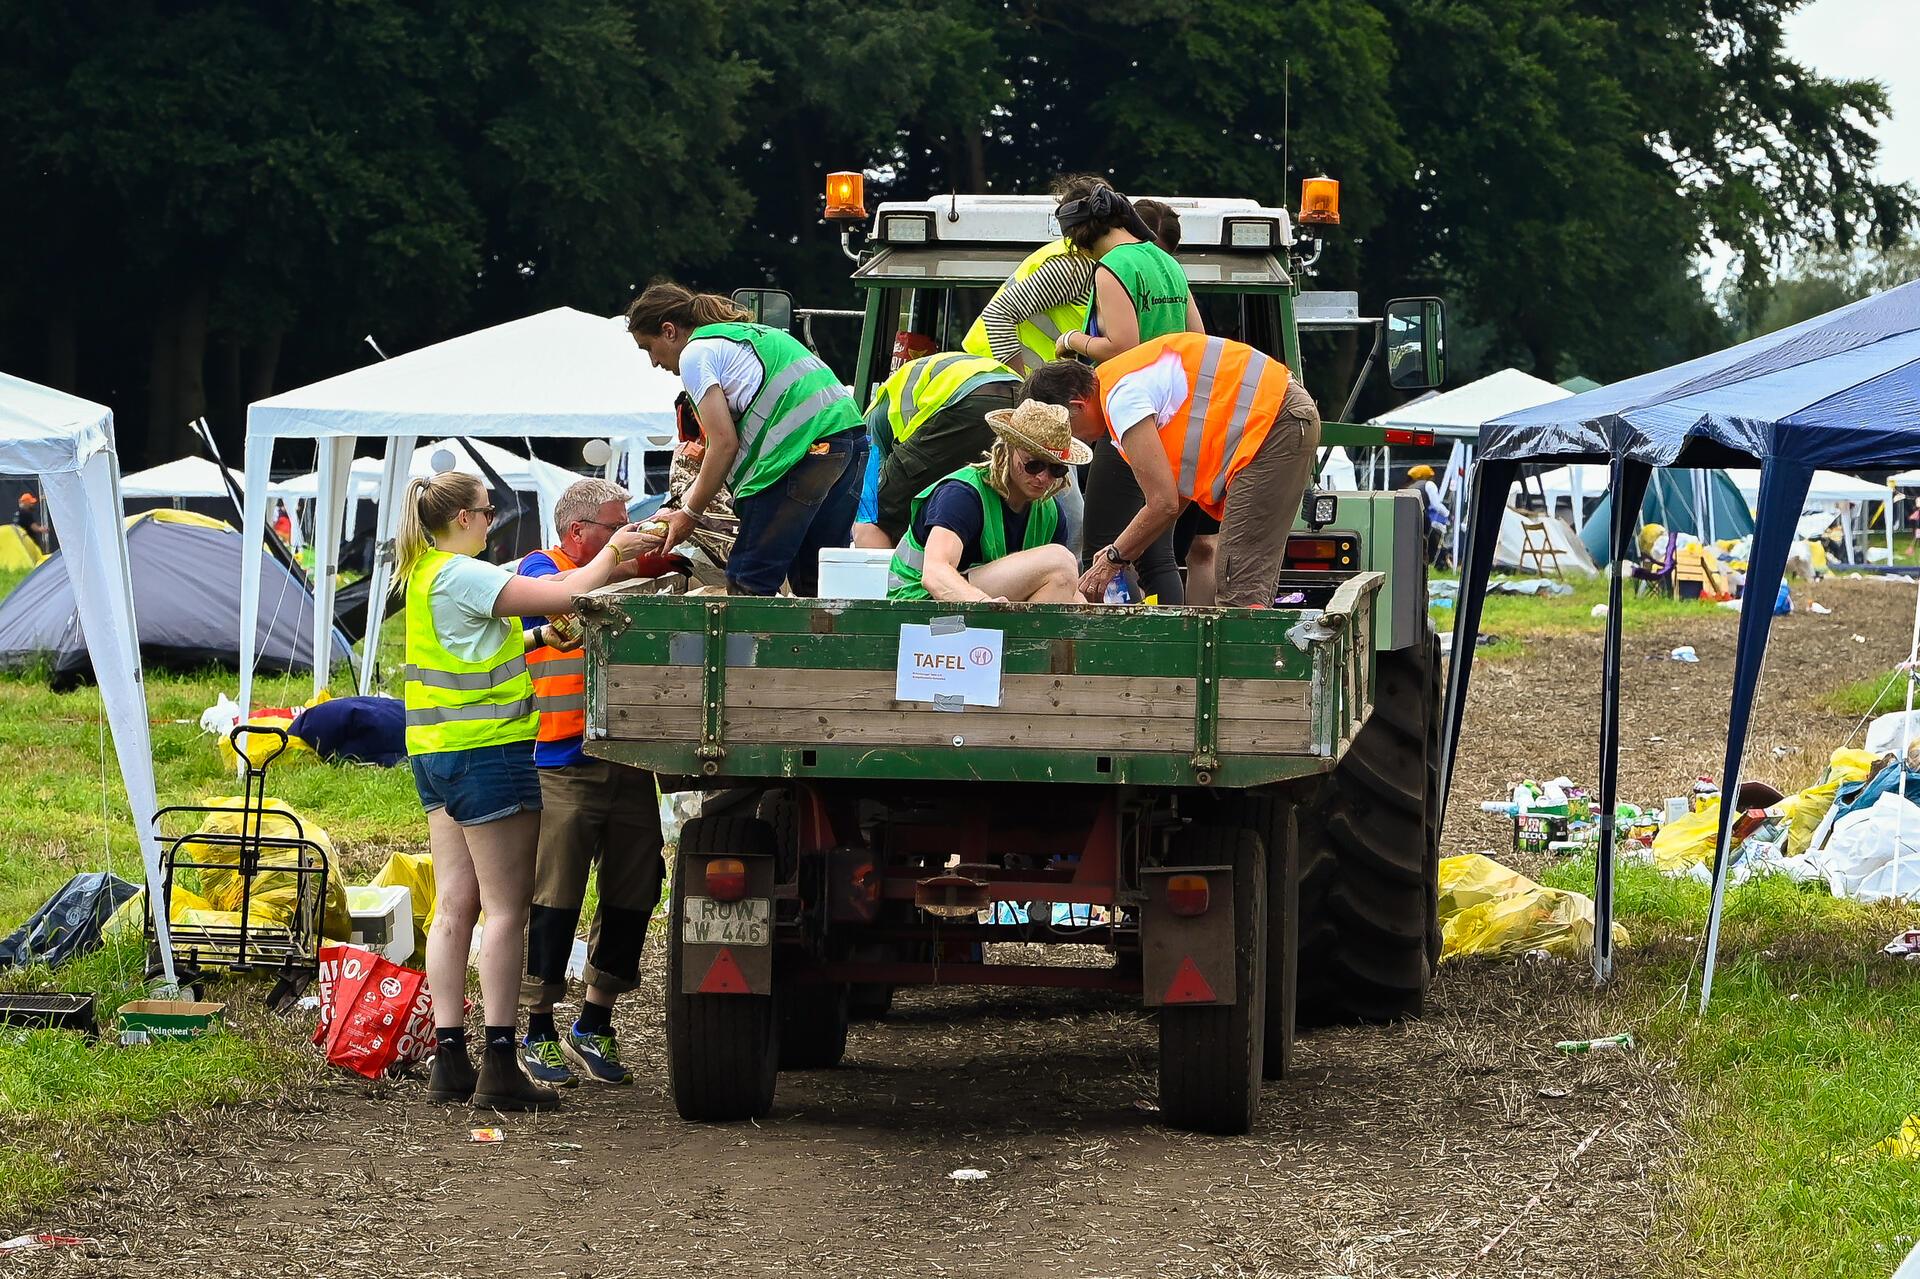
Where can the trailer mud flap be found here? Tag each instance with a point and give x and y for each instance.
(1186, 957)
(726, 946)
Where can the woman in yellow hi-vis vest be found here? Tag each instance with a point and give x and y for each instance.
(471, 724)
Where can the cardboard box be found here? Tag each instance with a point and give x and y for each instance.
(145, 1020)
(1532, 832)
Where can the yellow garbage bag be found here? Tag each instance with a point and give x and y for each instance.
(1904, 1144)
(1689, 841)
(1808, 808)
(1513, 915)
(133, 911)
(415, 870)
(274, 894)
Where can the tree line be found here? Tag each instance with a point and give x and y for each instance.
(209, 200)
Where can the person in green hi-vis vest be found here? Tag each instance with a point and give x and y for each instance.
(991, 531)
(782, 432)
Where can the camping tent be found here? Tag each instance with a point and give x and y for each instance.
(1838, 392)
(18, 551)
(68, 443)
(185, 568)
(1675, 501)
(1457, 415)
(560, 373)
(1567, 549)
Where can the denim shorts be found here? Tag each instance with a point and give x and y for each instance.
(481, 785)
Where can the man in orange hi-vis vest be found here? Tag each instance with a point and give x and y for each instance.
(1202, 420)
(594, 812)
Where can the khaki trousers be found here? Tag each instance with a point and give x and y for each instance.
(1263, 501)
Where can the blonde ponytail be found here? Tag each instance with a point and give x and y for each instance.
(429, 507)
(664, 302)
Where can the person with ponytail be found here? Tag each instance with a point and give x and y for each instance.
(471, 724)
(1139, 291)
(780, 430)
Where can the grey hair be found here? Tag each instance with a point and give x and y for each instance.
(584, 498)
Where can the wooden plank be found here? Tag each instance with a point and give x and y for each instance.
(829, 690)
(1265, 737)
(980, 728)
(1263, 699)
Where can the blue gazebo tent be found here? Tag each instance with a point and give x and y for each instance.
(1675, 501)
(1840, 391)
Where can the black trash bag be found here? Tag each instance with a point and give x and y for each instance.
(69, 924)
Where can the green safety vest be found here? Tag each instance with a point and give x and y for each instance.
(454, 704)
(1156, 284)
(920, 388)
(910, 557)
(800, 402)
(1038, 333)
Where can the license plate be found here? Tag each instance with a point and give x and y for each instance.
(707, 922)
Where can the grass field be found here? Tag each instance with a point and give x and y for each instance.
(63, 1101)
(1805, 1062)
(1513, 619)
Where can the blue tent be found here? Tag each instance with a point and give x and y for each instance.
(1840, 391)
(1673, 501)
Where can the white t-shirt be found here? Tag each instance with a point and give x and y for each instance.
(462, 601)
(1156, 391)
(732, 366)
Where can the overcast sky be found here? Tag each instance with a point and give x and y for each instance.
(1874, 40)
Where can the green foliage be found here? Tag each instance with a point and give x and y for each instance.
(1820, 282)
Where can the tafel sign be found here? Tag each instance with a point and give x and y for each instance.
(950, 665)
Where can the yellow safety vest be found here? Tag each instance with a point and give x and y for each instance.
(454, 704)
(920, 388)
(1038, 333)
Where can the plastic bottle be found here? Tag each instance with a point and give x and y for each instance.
(1610, 1043)
(1117, 591)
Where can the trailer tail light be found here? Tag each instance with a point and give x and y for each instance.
(1401, 435)
(1324, 553)
(1187, 895)
(726, 879)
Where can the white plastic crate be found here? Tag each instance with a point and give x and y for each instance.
(853, 573)
(383, 919)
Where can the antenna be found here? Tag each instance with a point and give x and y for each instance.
(376, 346)
(1286, 129)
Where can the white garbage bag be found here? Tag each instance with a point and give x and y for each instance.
(1874, 853)
(1885, 734)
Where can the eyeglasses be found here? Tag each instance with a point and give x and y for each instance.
(1039, 465)
(611, 528)
(488, 511)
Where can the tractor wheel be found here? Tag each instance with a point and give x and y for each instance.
(722, 1050)
(1370, 857)
(1211, 1055)
(813, 1025)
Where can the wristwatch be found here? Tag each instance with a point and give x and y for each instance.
(1113, 556)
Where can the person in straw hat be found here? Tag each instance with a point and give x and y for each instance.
(991, 531)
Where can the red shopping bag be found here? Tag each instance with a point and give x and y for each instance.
(374, 1014)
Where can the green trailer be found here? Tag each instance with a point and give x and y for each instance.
(1229, 813)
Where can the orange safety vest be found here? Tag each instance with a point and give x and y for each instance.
(1235, 395)
(559, 681)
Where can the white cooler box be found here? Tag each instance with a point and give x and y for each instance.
(382, 919)
(854, 573)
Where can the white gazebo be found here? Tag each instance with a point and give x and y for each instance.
(184, 477)
(68, 443)
(1457, 415)
(562, 373)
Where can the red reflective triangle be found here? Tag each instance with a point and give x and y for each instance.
(1188, 986)
(725, 977)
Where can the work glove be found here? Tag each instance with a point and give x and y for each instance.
(660, 563)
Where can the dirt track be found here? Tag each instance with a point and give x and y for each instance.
(1404, 1151)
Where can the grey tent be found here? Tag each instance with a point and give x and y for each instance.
(186, 603)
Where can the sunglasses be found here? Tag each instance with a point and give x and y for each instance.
(1037, 466)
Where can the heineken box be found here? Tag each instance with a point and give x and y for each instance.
(1532, 832)
(145, 1020)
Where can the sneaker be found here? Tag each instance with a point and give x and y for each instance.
(546, 1063)
(598, 1056)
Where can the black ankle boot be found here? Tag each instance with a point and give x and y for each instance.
(451, 1077)
(504, 1086)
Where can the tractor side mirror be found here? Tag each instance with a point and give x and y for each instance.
(771, 307)
(1416, 343)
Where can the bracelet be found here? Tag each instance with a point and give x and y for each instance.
(618, 557)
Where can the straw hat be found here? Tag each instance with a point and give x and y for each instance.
(1040, 429)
